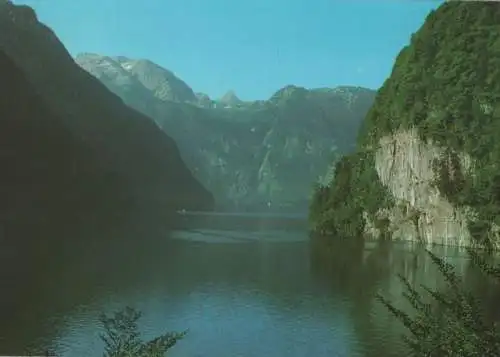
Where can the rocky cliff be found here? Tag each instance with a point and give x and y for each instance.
(252, 155)
(126, 144)
(427, 163)
(405, 165)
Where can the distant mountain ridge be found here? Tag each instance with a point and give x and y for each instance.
(159, 81)
(255, 155)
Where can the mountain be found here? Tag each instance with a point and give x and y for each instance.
(204, 101)
(252, 155)
(426, 165)
(45, 168)
(230, 99)
(127, 145)
(162, 83)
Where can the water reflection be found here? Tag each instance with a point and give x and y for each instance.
(250, 295)
(359, 270)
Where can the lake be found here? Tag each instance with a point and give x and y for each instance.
(244, 286)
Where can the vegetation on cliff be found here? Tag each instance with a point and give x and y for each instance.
(338, 208)
(446, 84)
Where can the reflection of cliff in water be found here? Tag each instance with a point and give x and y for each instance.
(484, 287)
(359, 270)
(92, 268)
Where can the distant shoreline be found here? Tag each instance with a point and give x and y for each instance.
(245, 214)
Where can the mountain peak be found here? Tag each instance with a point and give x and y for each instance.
(288, 92)
(230, 98)
(162, 82)
(21, 14)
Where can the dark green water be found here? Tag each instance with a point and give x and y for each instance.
(250, 289)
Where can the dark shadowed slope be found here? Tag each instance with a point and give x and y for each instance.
(45, 170)
(128, 144)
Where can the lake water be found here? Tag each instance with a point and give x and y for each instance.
(243, 286)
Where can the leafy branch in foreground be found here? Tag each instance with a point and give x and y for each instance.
(122, 337)
(453, 324)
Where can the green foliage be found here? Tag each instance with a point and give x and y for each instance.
(453, 323)
(122, 338)
(338, 208)
(450, 179)
(446, 85)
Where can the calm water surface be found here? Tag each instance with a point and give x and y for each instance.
(243, 287)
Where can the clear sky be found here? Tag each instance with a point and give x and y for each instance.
(253, 47)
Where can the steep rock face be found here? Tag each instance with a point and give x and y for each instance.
(427, 163)
(407, 167)
(251, 155)
(127, 143)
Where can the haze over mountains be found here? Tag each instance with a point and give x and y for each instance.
(251, 156)
(255, 155)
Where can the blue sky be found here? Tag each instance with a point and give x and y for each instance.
(253, 47)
